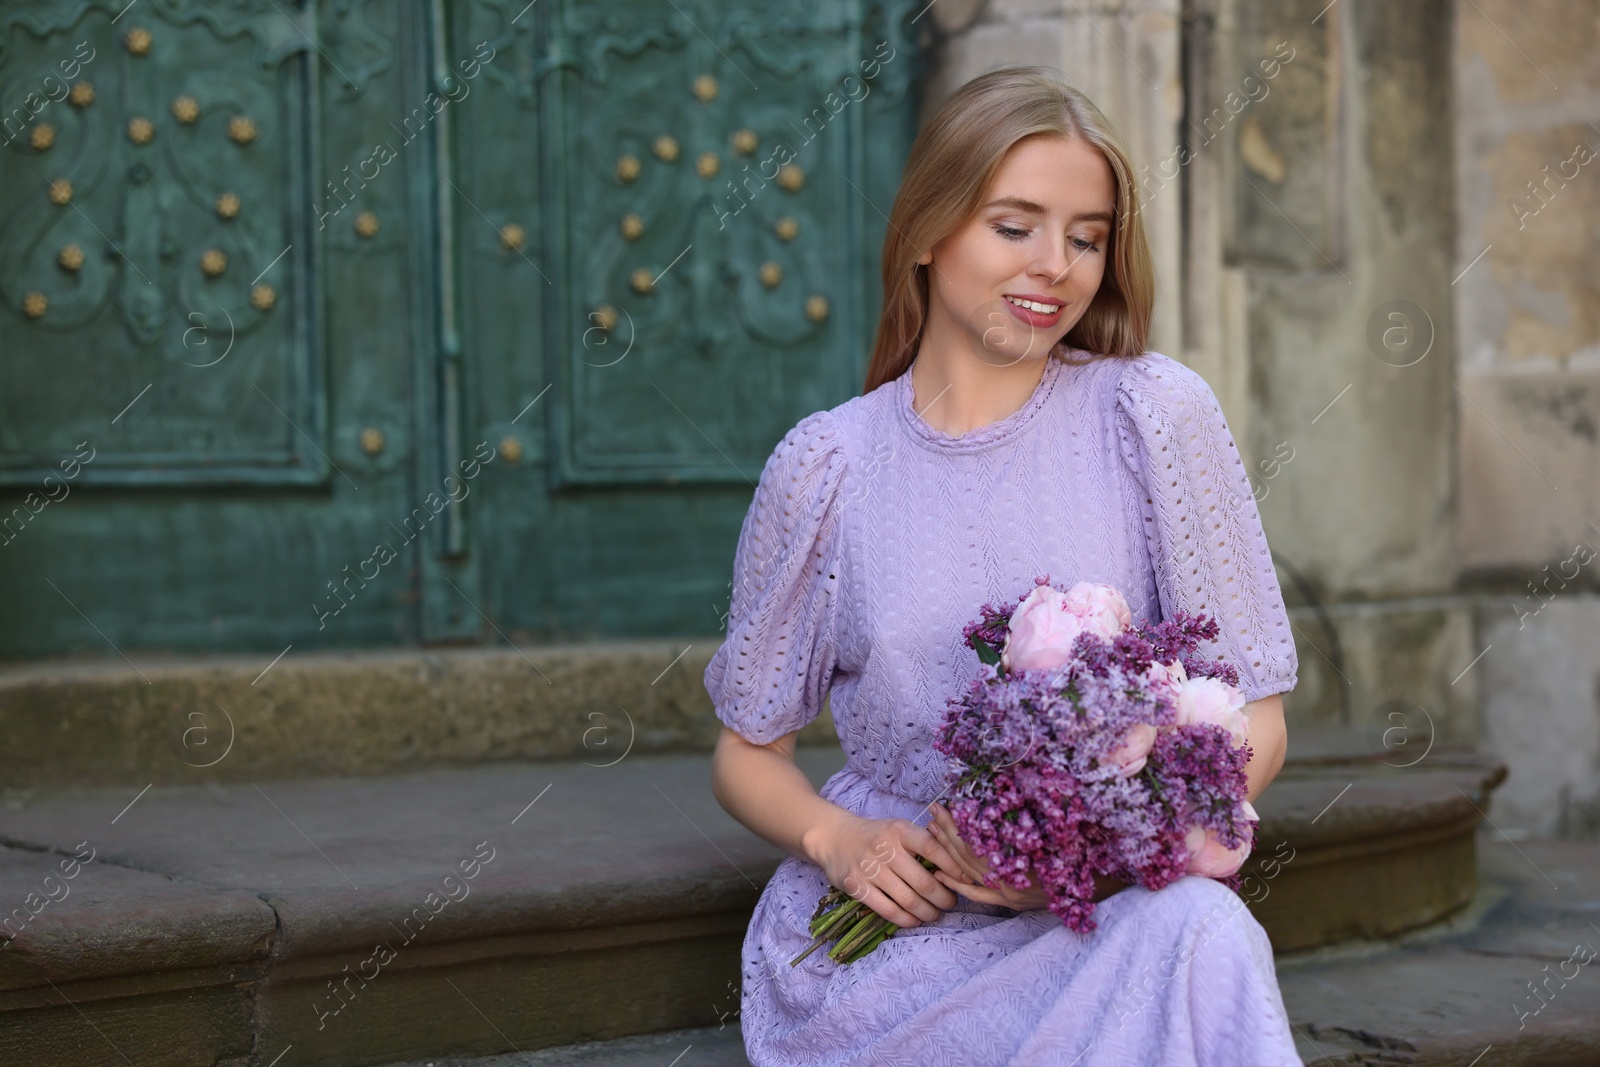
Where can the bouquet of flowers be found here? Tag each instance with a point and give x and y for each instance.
(1085, 746)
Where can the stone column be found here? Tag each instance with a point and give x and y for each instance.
(1528, 313)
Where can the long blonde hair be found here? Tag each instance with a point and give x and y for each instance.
(952, 162)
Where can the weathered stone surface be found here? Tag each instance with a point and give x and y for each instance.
(381, 712)
(564, 902)
(203, 1026)
(1392, 667)
(1445, 996)
(227, 719)
(1438, 998)
(1540, 713)
(340, 860)
(114, 962)
(557, 938)
(1366, 848)
(109, 920)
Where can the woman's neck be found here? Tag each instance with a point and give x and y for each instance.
(959, 393)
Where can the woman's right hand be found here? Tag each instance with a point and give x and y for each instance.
(1105, 886)
(875, 862)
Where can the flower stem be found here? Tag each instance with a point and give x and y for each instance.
(831, 922)
(858, 927)
(863, 931)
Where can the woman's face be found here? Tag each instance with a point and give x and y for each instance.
(1040, 236)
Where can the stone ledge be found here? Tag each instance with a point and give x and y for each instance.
(606, 900)
(110, 921)
(1442, 997)
(1438, 998)
(322, 714)
(1375, 849)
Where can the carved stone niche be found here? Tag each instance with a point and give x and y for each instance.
(1275, 107)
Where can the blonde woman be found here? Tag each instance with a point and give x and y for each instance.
(1012, 425)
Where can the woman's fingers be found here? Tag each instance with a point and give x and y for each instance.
(980, 893)
(947, 859)
(886, 906)
(975, 867)
(915, 841)
(919, 877)
(909, 900)
(1006, 897)
(919, 842)
(944, 829)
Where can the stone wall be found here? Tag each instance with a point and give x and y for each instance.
(1527, 164)
(1315, 251)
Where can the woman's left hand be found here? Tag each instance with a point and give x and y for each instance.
(943, 827)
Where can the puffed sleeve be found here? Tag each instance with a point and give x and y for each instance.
(1200, 520)
(773, 670)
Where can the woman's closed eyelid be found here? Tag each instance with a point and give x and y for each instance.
(1019, 233)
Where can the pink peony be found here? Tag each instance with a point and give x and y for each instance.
(1209, 858)
(1130, 756)
(1048, 621)
(1102, 608)
(1167, 676)
(1212, 702)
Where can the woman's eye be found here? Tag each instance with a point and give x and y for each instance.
(1010, 233)
(1087, 246)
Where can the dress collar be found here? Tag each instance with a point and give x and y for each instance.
(984, 437)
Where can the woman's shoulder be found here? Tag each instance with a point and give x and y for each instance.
(807, 449)
(1163, 405)
(1155, 384)
(818, 447)
(831, 436)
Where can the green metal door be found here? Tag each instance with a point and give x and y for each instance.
(364, 324)
(698, 189)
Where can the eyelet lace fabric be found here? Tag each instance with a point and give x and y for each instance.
(871, 540)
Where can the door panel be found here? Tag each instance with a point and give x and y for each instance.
(364, 338)
(229, 349)
(665, 329)
(134, 221)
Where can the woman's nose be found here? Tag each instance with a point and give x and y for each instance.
(1055, 264)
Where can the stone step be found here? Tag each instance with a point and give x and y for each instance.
(606, 898)
(1446, 997)
(223, 920)
(197, 719)
(1460, 992)
(1360, 847)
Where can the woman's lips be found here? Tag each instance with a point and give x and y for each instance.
(1034, 318)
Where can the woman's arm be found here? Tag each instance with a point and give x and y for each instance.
(1269, 740)
(873, 860)
(761, 787)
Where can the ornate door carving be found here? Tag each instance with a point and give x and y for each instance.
(154, 213)
(271, 270)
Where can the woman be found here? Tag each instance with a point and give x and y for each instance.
(1012, 425)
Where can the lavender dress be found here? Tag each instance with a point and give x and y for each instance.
(872, 539)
